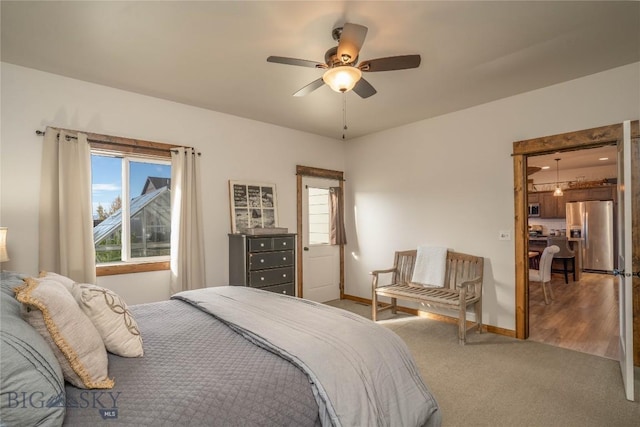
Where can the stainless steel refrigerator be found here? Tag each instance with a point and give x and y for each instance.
(593, 221)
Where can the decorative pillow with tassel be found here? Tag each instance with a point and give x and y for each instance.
(51, 309)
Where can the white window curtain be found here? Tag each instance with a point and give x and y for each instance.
(66, 223)
(187, 246)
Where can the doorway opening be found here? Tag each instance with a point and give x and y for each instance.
(583, 314)
(626, 136)
(522, 150)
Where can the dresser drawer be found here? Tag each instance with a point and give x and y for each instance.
(276, 276)
(281, 243)
(263, 260)
(286, 288)
(260, 244)
(259, 261)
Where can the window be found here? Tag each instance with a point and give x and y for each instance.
(131, 197)
(318, 216)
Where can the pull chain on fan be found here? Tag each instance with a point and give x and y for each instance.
(344, 115)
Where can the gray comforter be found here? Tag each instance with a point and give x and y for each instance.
(195, 371)
(361, 374)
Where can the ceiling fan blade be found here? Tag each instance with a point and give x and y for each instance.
(310, 87)
(391, 63)
(364, 89)
(351, 41)
(294, 61)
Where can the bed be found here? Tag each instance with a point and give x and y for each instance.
(223, 356)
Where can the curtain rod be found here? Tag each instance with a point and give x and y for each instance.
(320, 188)
(164, 150)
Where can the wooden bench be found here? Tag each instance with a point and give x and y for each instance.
(462, 287)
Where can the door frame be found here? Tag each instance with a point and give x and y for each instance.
(315, 173)
(562, 142)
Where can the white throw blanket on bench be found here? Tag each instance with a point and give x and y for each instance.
(430, 267)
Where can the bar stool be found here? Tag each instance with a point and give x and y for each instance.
(565, 254)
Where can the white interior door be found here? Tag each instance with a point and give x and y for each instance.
(321, 260)
(625, 266)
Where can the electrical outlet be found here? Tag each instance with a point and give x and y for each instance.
(504, 235)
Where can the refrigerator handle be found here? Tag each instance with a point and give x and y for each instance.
(586, 230)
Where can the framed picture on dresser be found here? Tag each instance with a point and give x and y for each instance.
(253, 205)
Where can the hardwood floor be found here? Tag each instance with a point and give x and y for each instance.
(583, 315)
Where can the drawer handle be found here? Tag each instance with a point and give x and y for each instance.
(262, 245)
(284, 292)
(284, 275)
(284, 258)
(284, 243)
(262, 278)
(262, 260)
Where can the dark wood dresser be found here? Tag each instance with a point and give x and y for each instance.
(263, 261)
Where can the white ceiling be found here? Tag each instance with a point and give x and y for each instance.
(586, 158)
(212, 54)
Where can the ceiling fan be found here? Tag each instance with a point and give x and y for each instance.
(343, 72)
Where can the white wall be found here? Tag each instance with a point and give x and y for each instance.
(445, 181)
(232, 148)
(448, 181)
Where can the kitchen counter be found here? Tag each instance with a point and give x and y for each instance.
(544, 239)
(538, 243)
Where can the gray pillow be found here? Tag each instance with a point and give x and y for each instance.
(32, 382)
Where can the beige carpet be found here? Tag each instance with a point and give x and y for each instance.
(500, 381)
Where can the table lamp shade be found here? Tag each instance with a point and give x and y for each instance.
(4, 256)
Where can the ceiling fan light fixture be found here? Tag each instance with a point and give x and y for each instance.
(342, 78)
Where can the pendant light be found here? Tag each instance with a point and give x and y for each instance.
(558, 191)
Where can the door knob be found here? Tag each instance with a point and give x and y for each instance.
(305, 248)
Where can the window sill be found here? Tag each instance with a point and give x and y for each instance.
(111, 270)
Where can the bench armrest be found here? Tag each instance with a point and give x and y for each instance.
(387, 270)
(375, 273)
(468, 283)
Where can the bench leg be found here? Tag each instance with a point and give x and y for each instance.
(374, 306)
(478, 309)
(394, 305)
(462, 325)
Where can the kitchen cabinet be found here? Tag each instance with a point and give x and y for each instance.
(576, 195)
(602, 193)
(554, 207)
(607, 192)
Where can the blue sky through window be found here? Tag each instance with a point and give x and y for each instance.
(106, 177)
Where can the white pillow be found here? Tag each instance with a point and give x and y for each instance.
(67, 282)
(111, 317)
(52, 311)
